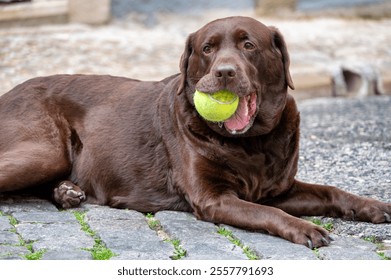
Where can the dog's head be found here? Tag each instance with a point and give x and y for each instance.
(244, 56)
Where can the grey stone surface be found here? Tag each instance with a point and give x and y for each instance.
(66, 254)
(7, 237)
(144, 249)
(359, 229)
(44, 217)
(4, 223)
(126, 233)
(385, 247)
(8, 252)
(347, 143)
(104, 213)
(200, 239)
(272, 247)
(55, 236)
(344, 248)
(18, 204)
(138, 255)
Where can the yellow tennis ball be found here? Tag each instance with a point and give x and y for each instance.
(216, 107)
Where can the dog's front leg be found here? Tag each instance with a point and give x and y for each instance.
(229, 209)
(318, 200)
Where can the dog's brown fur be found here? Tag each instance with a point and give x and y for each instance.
(142, 145)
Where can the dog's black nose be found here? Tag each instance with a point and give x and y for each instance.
(225, 71)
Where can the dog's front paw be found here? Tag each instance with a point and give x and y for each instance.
(373, 211)
(68, 195)
(308, 234)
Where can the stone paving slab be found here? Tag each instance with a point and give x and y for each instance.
(130, 237)
(17, 204)
(4, 224)
(39, 224)
(200, 239)
(387, 248)
(127, 234)
(272, 247)
(357, 161)
(65, 254)
(56, 236)
(41, 217)
(345, 248)
(9, 238)
(13, 252)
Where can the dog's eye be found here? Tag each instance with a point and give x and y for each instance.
(249, 46)
(207, 49)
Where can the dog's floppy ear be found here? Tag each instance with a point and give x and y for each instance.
(279, 44)
(184, 63)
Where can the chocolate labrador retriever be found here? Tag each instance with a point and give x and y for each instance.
(143, 146)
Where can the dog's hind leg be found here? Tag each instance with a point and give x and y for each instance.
(38, 144)
(31, 164)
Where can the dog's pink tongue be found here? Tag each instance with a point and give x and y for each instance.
(243, 114)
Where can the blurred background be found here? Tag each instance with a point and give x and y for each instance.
(337, 47)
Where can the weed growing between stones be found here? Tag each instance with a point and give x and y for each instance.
(179, 251)
(383, 256)
(32, 255)
(35, 255)
(380, 246)
(99, 251)
(317, 253)
(13, 221)
(327, 226)
(152, 222)
(251, 255)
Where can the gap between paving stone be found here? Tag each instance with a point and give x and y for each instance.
(249, 252)
(12, 244)
(44, 231)
(126, 233)
(271, 247)
(200, 239)
(61, 239)
(349, 248)
(10, 247)
(99, 251)
(154, 224)
(275, 248)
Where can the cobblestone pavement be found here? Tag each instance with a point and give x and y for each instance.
(344, 142)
